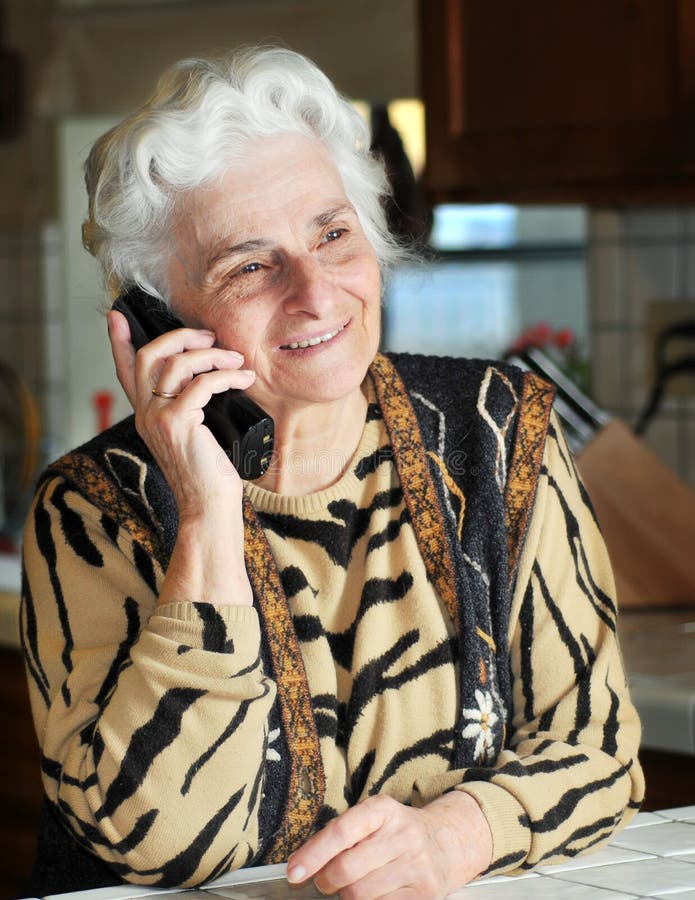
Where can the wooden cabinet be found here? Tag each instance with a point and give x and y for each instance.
(20, 786)
(559, 100)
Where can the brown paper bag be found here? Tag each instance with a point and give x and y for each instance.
(647, 515)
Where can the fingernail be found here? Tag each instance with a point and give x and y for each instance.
(296, 874)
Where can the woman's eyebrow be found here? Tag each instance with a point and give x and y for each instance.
(235, 249)
(325, 218)
(319, 221)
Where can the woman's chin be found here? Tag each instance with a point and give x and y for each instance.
(313, 382)
(309, 397)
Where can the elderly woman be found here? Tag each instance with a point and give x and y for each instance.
(391, 660)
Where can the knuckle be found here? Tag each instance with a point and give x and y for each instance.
(381, 808)
(426, 877)
(155, 424)
(339, 871)
(141, 423)
(343, 831)
(414, 832)
(160, 426)
(386, 811)
(412, 836)
(323, 886)
(352, 892)
(144, 357)
(167, 416)
(432, 886)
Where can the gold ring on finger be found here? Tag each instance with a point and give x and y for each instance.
(165, 395)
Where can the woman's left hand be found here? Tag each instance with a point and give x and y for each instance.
(381, 848)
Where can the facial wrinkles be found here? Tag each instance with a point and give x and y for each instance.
(282, 217)
(227, 280)
(265, 197)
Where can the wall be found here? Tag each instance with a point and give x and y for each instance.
(637, 256)
(27, 177)
(102, 57)
(108, 54)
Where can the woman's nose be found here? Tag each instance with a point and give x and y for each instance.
(309, 288)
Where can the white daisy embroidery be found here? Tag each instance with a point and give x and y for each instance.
(271, 754)
(481, 722)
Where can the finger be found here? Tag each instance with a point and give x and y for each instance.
(197, 393)
(342, 833)
(122, 351)
(400, 836)
(359, 864)
(392, 881)
(152, 357)
(131, 366)
(385, 865)
(179, 340)
(179, 370)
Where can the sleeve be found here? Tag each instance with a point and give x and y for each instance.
(153, 722)
(569, 776)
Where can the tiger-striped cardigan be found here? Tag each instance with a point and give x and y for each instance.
(146, 716)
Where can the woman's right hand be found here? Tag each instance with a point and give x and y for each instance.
(206, 486)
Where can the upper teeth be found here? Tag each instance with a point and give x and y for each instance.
(313, 341)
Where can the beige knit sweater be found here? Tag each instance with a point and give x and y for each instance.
(391, 732)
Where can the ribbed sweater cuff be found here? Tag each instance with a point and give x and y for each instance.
(186, 612)
(230, 631)
(511, 840)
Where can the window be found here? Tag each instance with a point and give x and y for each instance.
(493, 273)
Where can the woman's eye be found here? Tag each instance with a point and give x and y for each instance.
(334, 234)
(249, 268)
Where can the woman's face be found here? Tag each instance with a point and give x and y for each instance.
(273, 259)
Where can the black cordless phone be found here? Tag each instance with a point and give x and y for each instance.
(244, 431)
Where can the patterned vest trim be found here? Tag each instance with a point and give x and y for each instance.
(468, 438)
(535, 405)
(304, 776)
(468, 446)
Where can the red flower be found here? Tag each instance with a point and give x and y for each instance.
(537, 335)
(564, 338)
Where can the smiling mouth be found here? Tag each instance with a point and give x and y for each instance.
(312, 342)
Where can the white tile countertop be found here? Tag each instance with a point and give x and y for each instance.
(654, 857)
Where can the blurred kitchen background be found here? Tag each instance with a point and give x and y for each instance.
(544, 157)
(583, 266)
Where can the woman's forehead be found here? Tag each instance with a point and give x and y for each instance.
(290, 178)
(283, 157)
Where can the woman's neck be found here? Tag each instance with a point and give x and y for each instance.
(314, 445)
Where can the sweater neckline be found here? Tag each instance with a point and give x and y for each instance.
(266, 501)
